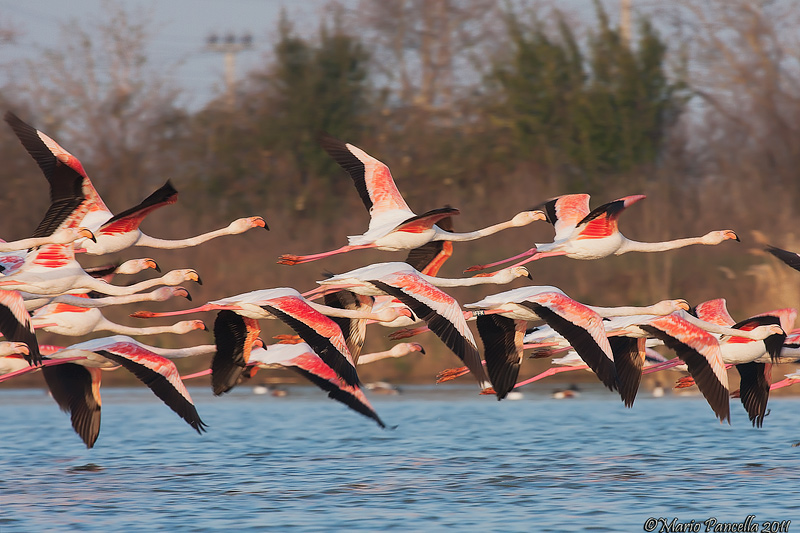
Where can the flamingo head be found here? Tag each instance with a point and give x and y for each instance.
(526, 217)
(416, 347)
(190, 325)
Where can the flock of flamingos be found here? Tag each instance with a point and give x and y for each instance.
(42, 286)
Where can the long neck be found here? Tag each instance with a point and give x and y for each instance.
(78, 301)
(472, 235)
(191, 351)
(22, 244)
(107, 325)
(343, 313)
(377, 356)
(464, 282)
(721, 330)
(636, 246)
(152, 242)
(628, 310)
(116, 290)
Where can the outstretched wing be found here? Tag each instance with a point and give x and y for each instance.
(372, 178)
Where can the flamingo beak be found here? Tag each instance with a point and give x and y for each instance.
(22, 348)
(730, 234)
(419, 348)
(529, 276)
(683, 304)
(539, 215)
(194, 276)
(150, 263)
(87, 234)
(406, 312)
(180, 291)
(259, 222)
(202, 326)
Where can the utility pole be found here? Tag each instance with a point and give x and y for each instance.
(625, 20)
(229, 47)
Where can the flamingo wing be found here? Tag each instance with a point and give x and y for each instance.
(314, 369)
(754, 389)
(372, 178)
(354, 329)
(76, 389)
(601, 222)
(71, 192)
(502, 350)
(319, 331)
(425, 221)
(773, 343)
(581, 327)
(16, 326)
(130, 219)
(159, 374)
(234, 336)
(440, 311)
(701, 353)
(714, 311)
(430, 257)
(565, 212)
(790, 258)
(629, 355)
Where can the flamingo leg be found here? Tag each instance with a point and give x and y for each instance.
(662, 366)
(407, 332)
(46, 362)
(196, 374)
(206, 307)
(528, 253)
(290, 259)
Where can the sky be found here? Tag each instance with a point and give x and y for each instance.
(178, 43)
(179, 36)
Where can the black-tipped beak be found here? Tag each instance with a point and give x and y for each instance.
(188, 296)
(156, 267)
(199, 281)
(529, 276)
(422, 351)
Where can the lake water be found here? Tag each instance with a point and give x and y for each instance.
(456, 462)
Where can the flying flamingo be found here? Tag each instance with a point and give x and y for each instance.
(75, 202)
(584, 234)
(419, 292)
(71, 320)
(393, 226)
(73, 377)
(234, 336)
(52, 270)
(753, 359)
(62, 236)
(308, 319)
(580, 325)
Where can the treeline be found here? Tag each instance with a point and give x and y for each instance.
(492, 109)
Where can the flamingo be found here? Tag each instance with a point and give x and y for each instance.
(393, 226)
(584, 234)
(62, 236)
(75, 201)
(753, 359)
(419, 292)
(234, 336)
(306, 318)
(52, 270)
(66, 319)
(73, 377)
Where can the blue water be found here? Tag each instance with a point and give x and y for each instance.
(456, 462)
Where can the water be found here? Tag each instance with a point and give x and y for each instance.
(456, 462)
